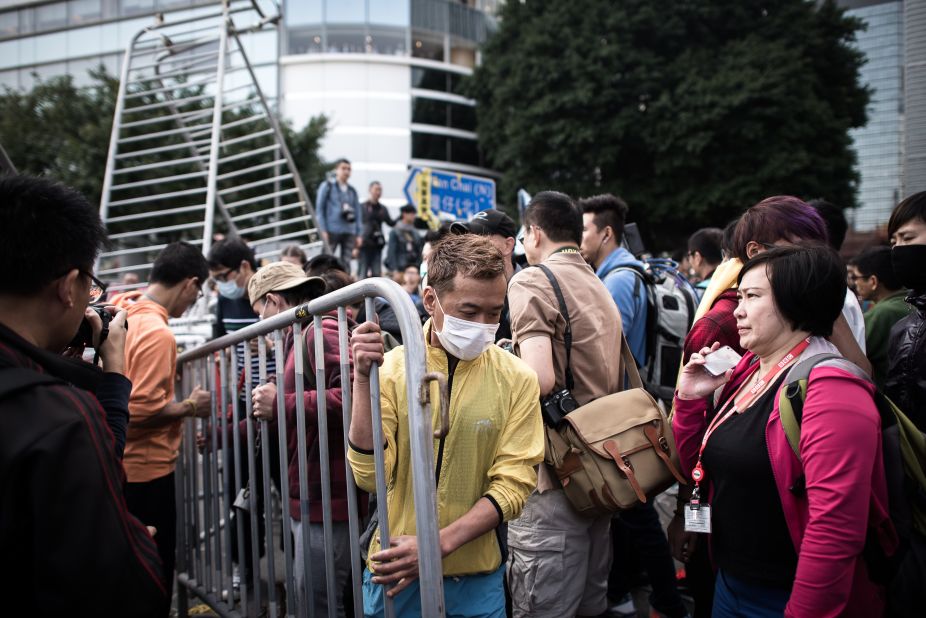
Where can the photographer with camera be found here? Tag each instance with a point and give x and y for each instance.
(574, 579)
(340, 217)
(77, 550)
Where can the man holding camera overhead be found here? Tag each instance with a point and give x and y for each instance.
(559, 559)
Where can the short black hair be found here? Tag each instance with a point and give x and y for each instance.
(557, 215)
(49, 230)
(726, 243)
(609, 210)
(293, 251)
(707, 241)
(808, 283)
(324, 262)
(179, 261)
(230, 253)
(913, 207)
(835, 219)
(877, 261)
(375, 182)
(340, 161)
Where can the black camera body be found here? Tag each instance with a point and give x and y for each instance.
(347, 211)
(84, 336)
(555, 406)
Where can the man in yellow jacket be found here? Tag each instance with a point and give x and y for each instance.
(485, 466)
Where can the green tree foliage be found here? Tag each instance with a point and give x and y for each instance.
(61, 131)
(692, 111)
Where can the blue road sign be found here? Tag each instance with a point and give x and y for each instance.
(459, 195)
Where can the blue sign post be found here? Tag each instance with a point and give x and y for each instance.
(459, 195)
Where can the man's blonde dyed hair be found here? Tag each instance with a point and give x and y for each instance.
(467, 254)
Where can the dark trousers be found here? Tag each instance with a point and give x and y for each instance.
(371, 261)
(346, 244)
(154, 503)
(640, 543)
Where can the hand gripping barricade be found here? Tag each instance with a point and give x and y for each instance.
(208, 485)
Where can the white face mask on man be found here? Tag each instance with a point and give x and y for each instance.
(464, 339)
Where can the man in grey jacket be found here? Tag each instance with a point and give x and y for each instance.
(340, 217)
(404, 242)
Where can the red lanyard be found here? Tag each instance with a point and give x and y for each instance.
(742, 400)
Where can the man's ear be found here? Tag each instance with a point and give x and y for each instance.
(64, 288)
(429, 300)
(245, 267)
(875, 282)
(509, 246)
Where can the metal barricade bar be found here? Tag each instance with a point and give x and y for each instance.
(208, 528)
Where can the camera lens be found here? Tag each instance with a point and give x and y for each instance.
(568, 404)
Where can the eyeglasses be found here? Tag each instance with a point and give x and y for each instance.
(853, 278)
(223, 277)
(97, 288)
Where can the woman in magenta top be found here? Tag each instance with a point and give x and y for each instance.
(787, 534)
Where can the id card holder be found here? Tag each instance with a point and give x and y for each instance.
(698, 517)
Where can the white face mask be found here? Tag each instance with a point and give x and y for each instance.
(464, 339)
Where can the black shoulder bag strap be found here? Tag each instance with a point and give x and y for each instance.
(567, 333)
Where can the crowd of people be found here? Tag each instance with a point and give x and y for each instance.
(88, 450)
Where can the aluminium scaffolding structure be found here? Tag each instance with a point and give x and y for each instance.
(196, 150)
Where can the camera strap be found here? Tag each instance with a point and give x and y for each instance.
(567, 332)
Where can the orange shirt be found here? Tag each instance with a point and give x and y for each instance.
(150, 363)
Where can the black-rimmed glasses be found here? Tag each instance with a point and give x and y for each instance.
(97, 288)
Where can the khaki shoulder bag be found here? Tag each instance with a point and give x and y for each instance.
(614, 452)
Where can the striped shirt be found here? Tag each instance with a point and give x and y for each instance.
(232, 315)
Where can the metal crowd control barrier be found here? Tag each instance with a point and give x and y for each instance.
(208, 484)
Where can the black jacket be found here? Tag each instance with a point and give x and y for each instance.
(906, 377)
(374, 215)
(69, 546)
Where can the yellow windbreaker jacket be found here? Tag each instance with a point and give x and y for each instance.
(494, 443)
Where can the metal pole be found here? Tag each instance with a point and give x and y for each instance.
(282, 421)
(216, 137)
(325, 465)
(298, 356)
(379, 462)
(356, 568)
(268, 503)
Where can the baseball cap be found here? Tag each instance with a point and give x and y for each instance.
(279, 276)
(486, 223)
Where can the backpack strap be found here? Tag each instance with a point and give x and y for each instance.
(16, 379)
(792, 396)
(567, 333)
(640, 277)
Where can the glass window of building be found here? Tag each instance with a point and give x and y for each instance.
(9, 24)
(427, 46)
(136, 7)
(464, 151)
(302, 12)
(388, 42)
(430, 79)
(305, 41)
(345, 11)
(26, 21)
(348, 41)
(173, 4)
(429, 146)
(51, 16)
(444, 114)
(389, 12)
(84, 11)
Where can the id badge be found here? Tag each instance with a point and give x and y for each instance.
(698, 519)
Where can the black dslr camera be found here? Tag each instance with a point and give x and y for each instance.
(84, 336)
(555, 406)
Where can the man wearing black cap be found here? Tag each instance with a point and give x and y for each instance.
(500, 229)
(404, 242)
(501, 232)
